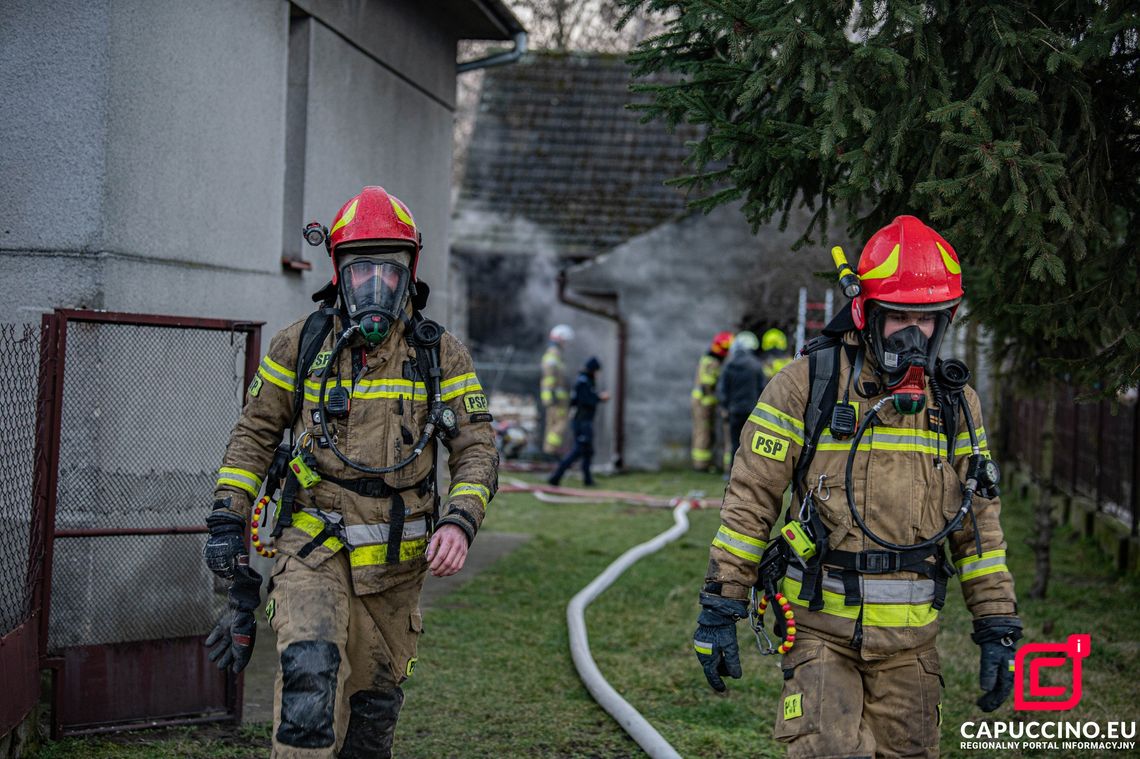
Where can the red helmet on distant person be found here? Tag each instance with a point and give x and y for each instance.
(907, 266)
(374, 215)
(720, 344)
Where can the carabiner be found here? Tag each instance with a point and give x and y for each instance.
(756, 622)
(821, 492)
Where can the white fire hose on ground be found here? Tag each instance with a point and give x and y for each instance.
(609, 699)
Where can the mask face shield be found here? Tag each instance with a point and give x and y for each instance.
(374, 289)
(907, 356)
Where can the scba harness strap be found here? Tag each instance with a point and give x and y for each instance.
(823, 355)
(427, 364)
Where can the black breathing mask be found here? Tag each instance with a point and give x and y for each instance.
(375, 293)
(905, 360)
(906, 357)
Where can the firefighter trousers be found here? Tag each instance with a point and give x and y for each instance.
(704, 435)
(836, 704)
(555, 423)
(342, 658)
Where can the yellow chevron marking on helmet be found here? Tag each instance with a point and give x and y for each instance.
(886, 268)
(951, 265)
(402, 213)
(348, 216)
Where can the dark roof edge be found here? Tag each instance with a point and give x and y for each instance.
(501, 17)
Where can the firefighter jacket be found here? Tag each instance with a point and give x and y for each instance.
(704, 384)
(386, 416)
(773, 361)
(905, 490)
(553, 387)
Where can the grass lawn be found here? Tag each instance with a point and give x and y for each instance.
(495, 677)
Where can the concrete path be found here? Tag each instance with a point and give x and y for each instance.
(259, 675)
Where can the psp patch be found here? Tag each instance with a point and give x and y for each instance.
(475, 402)
(321, 361)
(793, 706)
(770, 447)
(255, 387)
(411, 667)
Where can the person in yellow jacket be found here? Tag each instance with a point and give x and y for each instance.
(553, 392)
(704, 402)
(359, 522)
(887, 486)
(774, 352)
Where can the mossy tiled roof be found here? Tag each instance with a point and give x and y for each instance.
(557, 154)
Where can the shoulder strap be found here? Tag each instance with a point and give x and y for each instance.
(317, 328)
(823, 389)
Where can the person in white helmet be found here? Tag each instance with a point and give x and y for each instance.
(553, 392)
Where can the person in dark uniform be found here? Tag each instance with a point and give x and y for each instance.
(584, 399)
(741, 382)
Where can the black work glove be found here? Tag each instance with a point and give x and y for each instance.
(998, 638)
(715, 638)
(226, 543)
(231, 642)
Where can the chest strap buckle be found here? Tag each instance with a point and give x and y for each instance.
(878, 562)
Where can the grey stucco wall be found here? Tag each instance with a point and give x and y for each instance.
(678, 285)
(145, 154)
(143, 168)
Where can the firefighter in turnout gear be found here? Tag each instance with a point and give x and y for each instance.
(704, 401)
(886, 452)
(363, 391)
(553, 393)
(774, 352)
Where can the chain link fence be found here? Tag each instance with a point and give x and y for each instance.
(146, 413)
(19, 529)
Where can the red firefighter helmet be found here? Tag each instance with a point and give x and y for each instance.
(374, 214)
(720, 344)
(908, 266)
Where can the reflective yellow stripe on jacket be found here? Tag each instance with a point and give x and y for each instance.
(963, 446)
(973, 567)
(273, 372)
(739, 544)
(461, 385)
(239, 478)
(363, 555)
(470, 488)
(772, 419)
(886, 603)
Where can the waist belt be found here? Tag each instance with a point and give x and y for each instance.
(374, 487)
(854, 563)
(358, 535)
(874, 562)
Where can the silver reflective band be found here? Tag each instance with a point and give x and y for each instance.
(875, 591)
(740, 545)
(370, 534)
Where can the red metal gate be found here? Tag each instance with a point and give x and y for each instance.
(141, 407)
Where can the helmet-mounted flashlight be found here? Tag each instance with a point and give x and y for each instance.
(848, 279)
(315, 233)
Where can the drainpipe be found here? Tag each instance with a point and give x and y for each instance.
(614, 315)
(498, 59)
